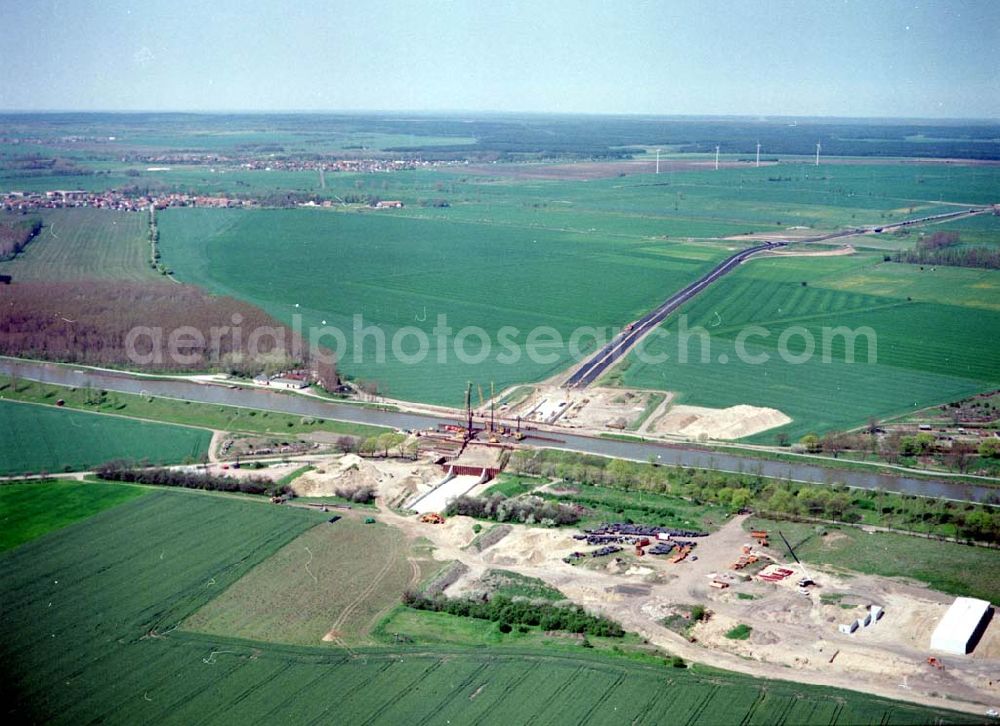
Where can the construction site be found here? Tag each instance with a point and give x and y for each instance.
(846, 629)
(764, 610)
(647, 413)
(833, 627)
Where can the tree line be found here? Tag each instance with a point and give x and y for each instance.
(526, 510)
(768, 497)
(509, 612)
(127, 472)
(941, 248)
(16, 233)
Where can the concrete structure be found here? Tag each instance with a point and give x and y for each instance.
(452, 486)
(961, 626)
(849, 628)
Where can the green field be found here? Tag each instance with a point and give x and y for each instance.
(87, 635)
(29, 510)
(36, 439)
(86, 244)
(931, 328)
(171, 410)
(953, 568)
(526, 253)
(605, 504)
(402, 273)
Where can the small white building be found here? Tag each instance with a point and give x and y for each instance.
(961, 625)
(291, 380)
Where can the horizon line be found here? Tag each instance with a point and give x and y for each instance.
(467, 112)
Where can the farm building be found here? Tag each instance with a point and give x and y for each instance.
(291, 380)
(961, 626)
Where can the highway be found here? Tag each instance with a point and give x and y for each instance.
(668, 454)
(595, 366)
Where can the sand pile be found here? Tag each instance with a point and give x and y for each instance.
(530, 546)
(393, 478)
(734, 422)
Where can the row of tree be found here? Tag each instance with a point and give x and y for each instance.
(942, 248)
(526, 510)
(895, 446)
(982, 257)
(16, 233)
(187, 479)
(769, 497)
(509, 612)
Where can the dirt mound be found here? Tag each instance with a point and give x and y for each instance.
(393, 478)
(734, 422)
(530, 546)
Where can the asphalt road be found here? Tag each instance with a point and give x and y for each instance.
(595, 366)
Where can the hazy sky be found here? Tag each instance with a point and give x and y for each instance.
(926, 58)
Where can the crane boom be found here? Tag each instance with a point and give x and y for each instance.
(794, 556)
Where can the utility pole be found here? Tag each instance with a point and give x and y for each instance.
(468, 409)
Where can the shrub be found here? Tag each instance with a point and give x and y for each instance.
(364, 494)
(740, 632)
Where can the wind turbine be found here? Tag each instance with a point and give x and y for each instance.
(758, 153)
(657, 161)
(716, 158)
(817, 153)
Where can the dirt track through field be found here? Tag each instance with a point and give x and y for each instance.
(394, 551)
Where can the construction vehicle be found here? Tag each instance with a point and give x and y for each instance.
(431, 518)
(681, 554)
(934, 662)
(805, 572)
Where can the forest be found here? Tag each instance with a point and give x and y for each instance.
(89, 322)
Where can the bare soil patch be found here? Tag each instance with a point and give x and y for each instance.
(593, 408)
(394, 479)
(805, 252)
(734, 422)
